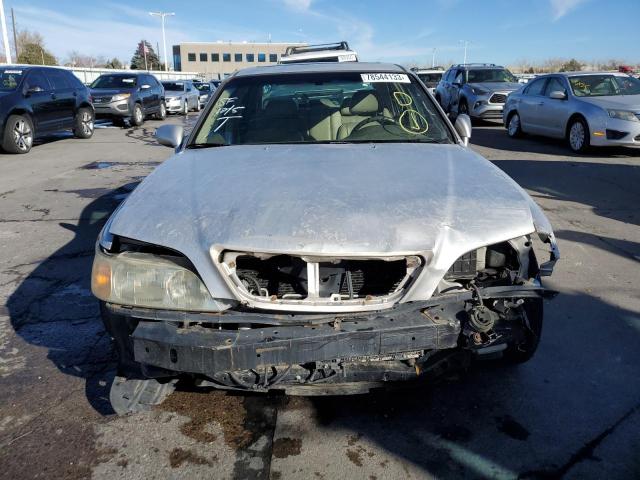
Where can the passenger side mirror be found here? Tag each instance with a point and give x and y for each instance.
(170, 135)
(463, 127)
(558, 95)
(146, 86)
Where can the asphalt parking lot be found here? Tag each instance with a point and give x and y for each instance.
(572, 412)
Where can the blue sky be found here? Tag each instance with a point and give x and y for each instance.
(500, 31)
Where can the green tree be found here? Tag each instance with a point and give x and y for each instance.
(572, 65)
(31, 49)
(114, 63)
(138, 59)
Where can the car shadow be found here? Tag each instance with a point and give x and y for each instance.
(584, 183)
(484, 135)
(53, 307)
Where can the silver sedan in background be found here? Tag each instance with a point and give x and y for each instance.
(181, 96)
(588, 109)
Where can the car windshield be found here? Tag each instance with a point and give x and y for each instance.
(10, 78)
(115, 81)
(203, 87)
(490, 75)
(604, 85)
(173, 86)
(430, 79)
(322, 108)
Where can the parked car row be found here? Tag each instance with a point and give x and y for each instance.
(36, 101)
(585, 108)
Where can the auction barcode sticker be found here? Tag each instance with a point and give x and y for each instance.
(385, 77)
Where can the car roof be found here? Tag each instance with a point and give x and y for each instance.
(320, 67)
(577, 74)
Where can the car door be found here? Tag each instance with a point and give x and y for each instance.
(38, 92)
(154, 100)
(64, 101)
(146, 94)
(554, 112)
(528, 108)
(192, 93)
(456, 86)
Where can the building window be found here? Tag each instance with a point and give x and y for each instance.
(273, 57)
(237, 57)
(251, 57)
(215, 57)
(262, 57)
(203, 57)
(226, 57)
(191, 57)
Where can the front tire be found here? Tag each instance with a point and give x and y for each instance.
(523, 350)
(463, 108)
(162, 112)
(18, 134)
(84, 123)
(138, 116)
(185, 108)
(514, 126)
(578, 136)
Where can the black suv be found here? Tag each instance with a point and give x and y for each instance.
(35, 101)
(132, 96)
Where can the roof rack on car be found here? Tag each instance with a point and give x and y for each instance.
(317, 48)
(476, 65)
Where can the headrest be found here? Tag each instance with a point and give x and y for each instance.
(284, 107)
(345, 107)
(364, 103)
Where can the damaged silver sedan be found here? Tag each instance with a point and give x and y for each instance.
(323, 229)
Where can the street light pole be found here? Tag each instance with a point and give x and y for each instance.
(5, 37)
(433, 58)
(164, 40)
(466, 43)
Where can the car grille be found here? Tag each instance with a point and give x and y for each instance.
(498, 98)
(283, 278)
(101, 99)
(637, 139)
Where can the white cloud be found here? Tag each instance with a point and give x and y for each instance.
(560, 8)
(300, 5)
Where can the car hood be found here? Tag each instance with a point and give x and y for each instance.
(439, 201)
(620, 102)
(497, 86)
(104, 92)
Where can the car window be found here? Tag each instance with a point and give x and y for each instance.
(604, 85)
(10, 78)
(536, 87)
(554, 85)
(290, 108)
(115, 81)
(36, 79)
(73, 80)
(174, 86)
(459, 77)
(482, 75)
(57, 79)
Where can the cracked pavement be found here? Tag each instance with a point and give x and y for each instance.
(572, 412)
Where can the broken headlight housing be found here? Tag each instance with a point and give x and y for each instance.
(147, 280)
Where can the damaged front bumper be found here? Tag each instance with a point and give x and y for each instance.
(348, 353)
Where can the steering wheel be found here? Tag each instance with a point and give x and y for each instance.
(377, 118)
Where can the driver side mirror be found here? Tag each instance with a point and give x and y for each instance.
(170, 135)
(463, 127)
(558, 95)
(31, 90)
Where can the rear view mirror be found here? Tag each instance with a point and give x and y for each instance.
(558, 95)
(463, 127)
(170, 135)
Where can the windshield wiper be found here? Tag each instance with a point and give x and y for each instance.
(207, 145)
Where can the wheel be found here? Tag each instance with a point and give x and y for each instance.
(463, 108)
(18, 134)
(185, 108)
(514, 129)
(84, 125)
(198, 106)
(162, 113)
(578, 136)
(523, 350)
(138, 116)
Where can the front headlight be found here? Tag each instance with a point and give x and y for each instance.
(145, 280)
(623, 115)
(120, 96)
